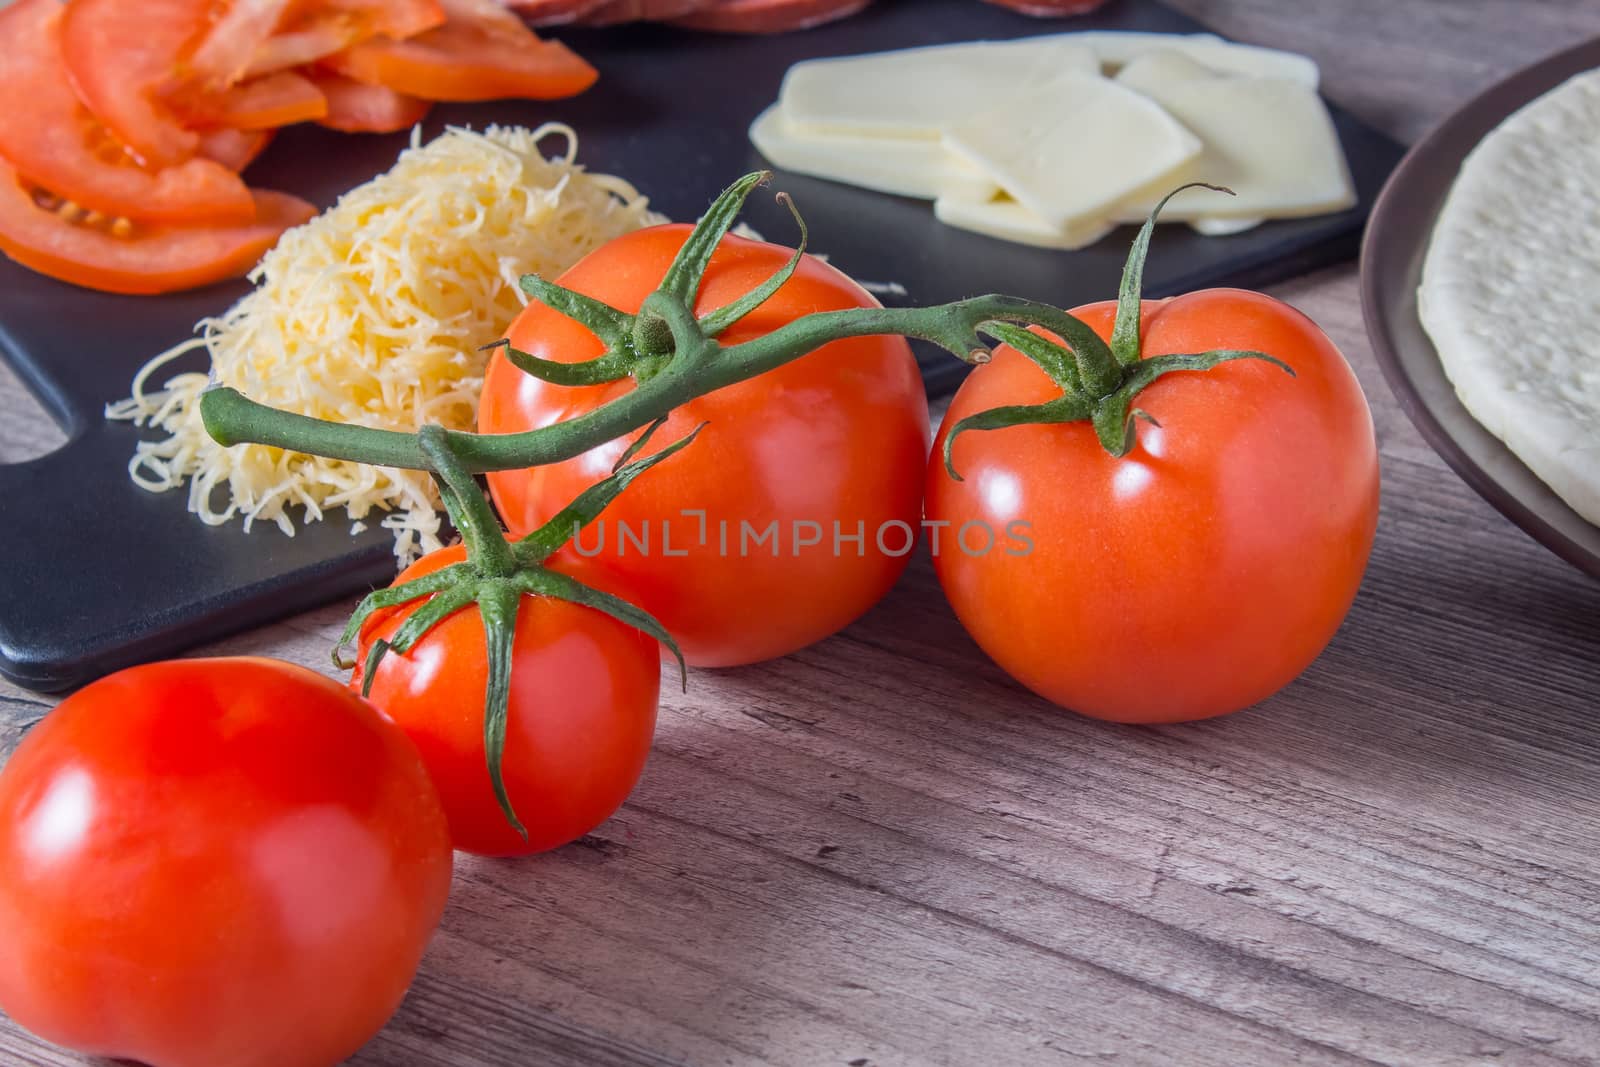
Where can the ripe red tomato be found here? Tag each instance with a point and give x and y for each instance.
(580, 719)
(1198, 574)
(832, 443)
(215, 863)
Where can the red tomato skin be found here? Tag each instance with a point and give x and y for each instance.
(581, 717)
(1206, 569)
(215, 863)
(837, 435)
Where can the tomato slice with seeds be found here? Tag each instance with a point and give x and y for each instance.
(41, 232)
(261, 104)
(483, 52)
(333, 26)
(120, 55)
(355, 107)
(57, 143)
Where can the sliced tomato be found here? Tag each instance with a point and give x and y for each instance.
(322, 29)
(57, 143)
(234, 149)
(260, 104)
(120, 258)
(355, 107)
(392, 18)
(119, 55)
(483, 52)
(222, 57)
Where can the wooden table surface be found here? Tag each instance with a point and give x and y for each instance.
(881, 851)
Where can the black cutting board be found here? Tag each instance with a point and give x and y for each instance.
(101, 574)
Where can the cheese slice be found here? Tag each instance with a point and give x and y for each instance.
(1071, 149)
(1270, 140)
(904, 167)
(1003, 217)
(1211, 226)
(914, 92)
(1118, 48)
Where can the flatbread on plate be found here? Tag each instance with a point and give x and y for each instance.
(1510, 288)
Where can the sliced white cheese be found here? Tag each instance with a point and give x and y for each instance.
(1210, 226)
(914, 92)
(1118, 48)
(1008, 220)
(1268, 139)
(1072, 149)
(924, 169)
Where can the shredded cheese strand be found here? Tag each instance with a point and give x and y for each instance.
(373, 314)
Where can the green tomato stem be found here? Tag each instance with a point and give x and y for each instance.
(698, 366)
(468, 508)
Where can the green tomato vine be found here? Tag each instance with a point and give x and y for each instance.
(674, 356)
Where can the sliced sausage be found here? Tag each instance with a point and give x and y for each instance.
(769, 16)
(1049, 8)
(554, 12)
(616, 11)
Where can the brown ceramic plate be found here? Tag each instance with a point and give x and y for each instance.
(1391, 267)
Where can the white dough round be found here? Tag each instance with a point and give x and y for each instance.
(1510, 289)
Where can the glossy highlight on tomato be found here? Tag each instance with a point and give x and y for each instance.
(215, 863)
(1203, 571)
(580, 719)
(833, 442)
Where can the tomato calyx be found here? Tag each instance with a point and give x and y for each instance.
(1099, 382)
(495, 576)
(640, 346)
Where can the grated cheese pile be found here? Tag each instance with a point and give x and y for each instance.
(373, 313)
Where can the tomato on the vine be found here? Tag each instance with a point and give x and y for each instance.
(579, 720)
(215, 861)
(1197, 574)
(794, 513)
